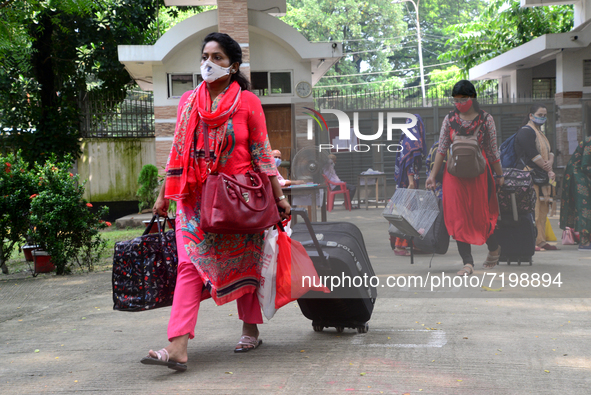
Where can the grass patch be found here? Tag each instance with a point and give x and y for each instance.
(18, 264)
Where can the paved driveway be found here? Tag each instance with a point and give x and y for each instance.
(60, 335)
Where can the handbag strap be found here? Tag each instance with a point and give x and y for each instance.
(206, 144)
(208, 158)
(161, 229)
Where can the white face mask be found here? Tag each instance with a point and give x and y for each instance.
(211, 71)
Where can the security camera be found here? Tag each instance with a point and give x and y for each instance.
(574, 38)
(334, 45)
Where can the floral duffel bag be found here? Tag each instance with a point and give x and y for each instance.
(518, 182)
(144, 270)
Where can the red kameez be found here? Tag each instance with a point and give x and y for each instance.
(229, 264)
(470, 205)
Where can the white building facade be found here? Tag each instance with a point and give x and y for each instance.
(282, 65)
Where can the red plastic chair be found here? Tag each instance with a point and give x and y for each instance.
(330, 193)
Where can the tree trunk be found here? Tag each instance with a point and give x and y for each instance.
(43, 68)
(2, 262)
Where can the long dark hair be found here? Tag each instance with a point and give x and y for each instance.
(466, 88)
(233, 51)
(532, 110)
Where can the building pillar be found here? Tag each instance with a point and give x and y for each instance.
(569, 118)
(233, 20)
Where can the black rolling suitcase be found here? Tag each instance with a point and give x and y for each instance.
(517, 238)
(337, 249)
(516, 228)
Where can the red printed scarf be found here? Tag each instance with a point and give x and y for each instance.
(455, 123)
(186, 168)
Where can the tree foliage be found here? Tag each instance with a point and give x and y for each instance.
(502, 26)
(435, 17)
(380, 37)
(52, 53)
(17, 185)
(369, 30)
(148, 184)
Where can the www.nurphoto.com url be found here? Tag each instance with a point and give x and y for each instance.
(437, 281)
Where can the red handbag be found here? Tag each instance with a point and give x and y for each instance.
(236, 204)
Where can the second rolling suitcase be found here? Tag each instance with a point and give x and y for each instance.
(517, 238)
(338, 252)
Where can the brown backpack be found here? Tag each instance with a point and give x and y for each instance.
(465, 156)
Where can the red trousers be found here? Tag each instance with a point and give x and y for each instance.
(187, 298)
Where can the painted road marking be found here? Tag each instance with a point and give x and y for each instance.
(437, 339)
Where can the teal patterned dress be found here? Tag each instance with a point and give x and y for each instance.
(575, 209)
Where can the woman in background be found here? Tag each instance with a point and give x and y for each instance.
(533, 150)
(575, 209)
(409, 162)
(470, 204)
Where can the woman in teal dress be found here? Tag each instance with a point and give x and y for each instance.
(575, 209)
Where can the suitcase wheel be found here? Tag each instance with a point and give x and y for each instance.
(531, 261)
(519, 262)
(317, 328)
(363, 328)
(340, 329)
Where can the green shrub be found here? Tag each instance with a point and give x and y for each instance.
(61, 221)
(17, 186)
(148, 190)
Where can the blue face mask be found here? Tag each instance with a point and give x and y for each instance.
(539, 120)
(277, 162)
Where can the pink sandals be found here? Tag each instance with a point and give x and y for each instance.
(248, 343)
(164, 360)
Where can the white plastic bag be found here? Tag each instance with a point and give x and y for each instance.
(268, 283)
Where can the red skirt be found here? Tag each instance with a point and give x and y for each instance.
(470, 206)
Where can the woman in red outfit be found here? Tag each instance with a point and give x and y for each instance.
(470, 204)
(225, 267)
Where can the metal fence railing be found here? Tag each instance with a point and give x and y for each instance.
(108, 116)
(435, 96)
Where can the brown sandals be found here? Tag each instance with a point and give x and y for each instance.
(467, 270)
(492, 260)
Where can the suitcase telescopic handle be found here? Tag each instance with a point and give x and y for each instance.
(304, 214)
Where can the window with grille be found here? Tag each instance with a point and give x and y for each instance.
(543, 88)
(266, 83)
(179, 84)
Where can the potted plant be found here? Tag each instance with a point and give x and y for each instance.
(62, 221)
(42, 262)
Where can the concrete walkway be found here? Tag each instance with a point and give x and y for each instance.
(60, 335)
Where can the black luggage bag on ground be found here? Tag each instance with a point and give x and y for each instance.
(516, 228)
(337, 249)
(145, 270)
(517, 238)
